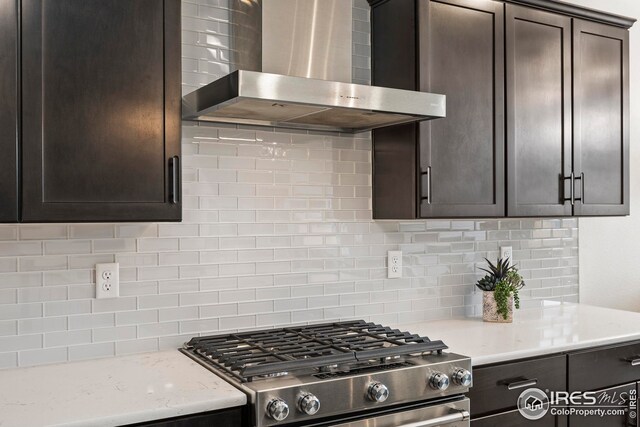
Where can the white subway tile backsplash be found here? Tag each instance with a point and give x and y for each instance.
(21, 342)
(8, 327)
(8, 232)
(276, 229)
(43, 232)
(92, 321)
(136, 346)
(20, 248)
(119, 333)
(67, 338)
(91, 231)
(42, 357)
(67, 247)
(91, 351)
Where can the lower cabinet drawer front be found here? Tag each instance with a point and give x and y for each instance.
(497, 388)
(514, 419)
(599, 368)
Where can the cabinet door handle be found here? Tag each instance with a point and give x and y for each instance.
(454, 417)
(572, 195)
(428, 185)
(634, 361)
(174, 171)
(581, 178)
(514, 385)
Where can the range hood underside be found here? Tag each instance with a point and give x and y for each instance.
(247, 97)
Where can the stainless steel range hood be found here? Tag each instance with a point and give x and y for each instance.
(300, 77)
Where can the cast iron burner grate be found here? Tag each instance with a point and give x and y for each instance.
(275, 352)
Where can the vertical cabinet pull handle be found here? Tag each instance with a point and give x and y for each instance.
(425, 176)
(174, 171)
(581, 187)
(428, 185)
(572, 188)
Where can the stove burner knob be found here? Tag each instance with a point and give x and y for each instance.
(278, 409)
(462, 377)
(309, 404)
(378, 392)
(439, 381)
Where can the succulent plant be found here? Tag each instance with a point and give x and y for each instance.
(503, 280)
(495, 273)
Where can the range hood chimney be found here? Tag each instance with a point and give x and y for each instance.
(294, 71)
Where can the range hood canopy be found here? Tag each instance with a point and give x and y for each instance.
(300, 78)
(254, 98)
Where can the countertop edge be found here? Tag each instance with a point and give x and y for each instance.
(540, 352)
(158, 414)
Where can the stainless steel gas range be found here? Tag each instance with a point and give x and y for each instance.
(347, 374)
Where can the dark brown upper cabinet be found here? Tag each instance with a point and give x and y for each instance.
(568, 116)
(600, 119)
(8, 110)
(538, 69)
(537, 109)
(451, 167)
(101, 101)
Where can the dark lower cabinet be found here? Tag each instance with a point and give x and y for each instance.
(9, 110)
(451, 167)
(600, 119)
(225, 418)
(538, 111)
(101, 101)
(610, 374)
(602, 367)
(496, 388)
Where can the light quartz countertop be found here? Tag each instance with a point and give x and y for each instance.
(151, 386)
(554, 328)
(109, 392)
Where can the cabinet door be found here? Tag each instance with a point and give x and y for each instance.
(394, 64)
(101, 110)
(461, 51)
(8, 110)
(538, 112)
(597, 368)
(601, 118)
(497, 388)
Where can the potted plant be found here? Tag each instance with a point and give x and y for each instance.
(500, 288)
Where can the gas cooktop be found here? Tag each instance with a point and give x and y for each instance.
(307, 373)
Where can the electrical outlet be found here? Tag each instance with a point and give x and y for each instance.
(107, 280)
(506, 252)
(394, 264)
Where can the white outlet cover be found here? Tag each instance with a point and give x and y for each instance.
(108, 280)
(394, 264)
(506, 252)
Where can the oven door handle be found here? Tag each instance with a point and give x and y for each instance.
(446, 419)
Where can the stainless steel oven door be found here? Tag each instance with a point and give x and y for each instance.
(450, 414)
